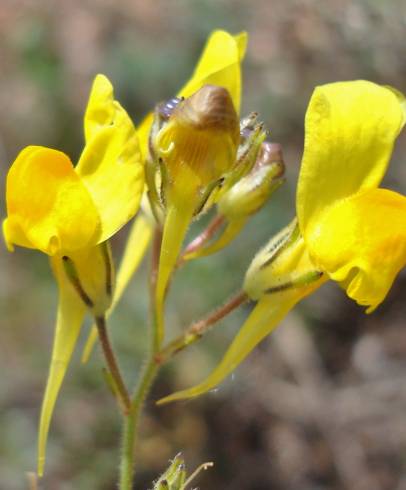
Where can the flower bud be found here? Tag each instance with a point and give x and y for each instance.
(252, 135)
(251, 192)
(174, 477)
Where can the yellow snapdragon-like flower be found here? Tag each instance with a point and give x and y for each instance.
(220, 66)
(354, 232)
(197, 148)
(348, 229)
(68, 213)
(204, 135)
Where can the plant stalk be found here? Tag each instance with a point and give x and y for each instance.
(114, 370)
(131, 423)
(155, 360)
(150, 370)
(197, 329)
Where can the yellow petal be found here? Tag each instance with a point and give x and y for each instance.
(361, 243)
(101, 107)
(47, 205)
(111, 166)
(137, 243)
(143, 133)
(266, 315)
(71, 311)
(219, 64)
(136, 246)
(14, 235)
(350, 131)
(93, 268)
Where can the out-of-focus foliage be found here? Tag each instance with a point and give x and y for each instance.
(319, 405)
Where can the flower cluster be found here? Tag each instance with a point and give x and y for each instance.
(195, 154)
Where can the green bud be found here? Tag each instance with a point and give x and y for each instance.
(251, 192)
(174, 477)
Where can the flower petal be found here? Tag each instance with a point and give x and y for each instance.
(92, 269)
(48, 207)
(111, 166)
(71, 312)
(350, 131)
(361, 243)
(219, 64)
(101, 107)
(136, 246)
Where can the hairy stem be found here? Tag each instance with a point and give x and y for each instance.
(131, 423)
(114, 370)
(196, 331)
(155, 360)
(150, 370)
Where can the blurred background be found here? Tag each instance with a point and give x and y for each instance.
(320, 404)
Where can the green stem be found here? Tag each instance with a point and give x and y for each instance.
(150, 370)
(131, 423)
(114, 370)
(156, 359)
(197, 329)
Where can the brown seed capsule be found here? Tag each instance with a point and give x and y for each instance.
(210, 108)
(198, 143)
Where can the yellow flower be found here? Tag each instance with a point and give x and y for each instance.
(354, 231)
(219, 68)
(348, 229)
(68, 213)
(196, 147)
(219, 65)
